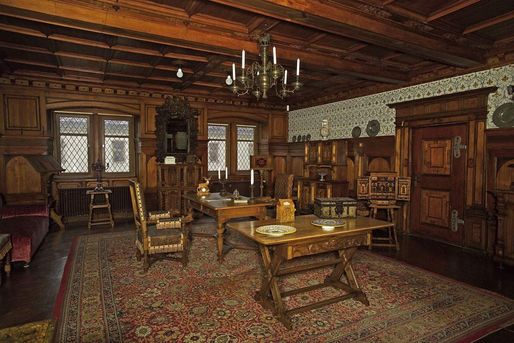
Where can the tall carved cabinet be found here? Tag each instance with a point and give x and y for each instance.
(177, 130)
(175, 180)
(324, 174)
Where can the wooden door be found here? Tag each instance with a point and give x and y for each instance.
(438, 180)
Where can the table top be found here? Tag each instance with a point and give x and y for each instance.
(216, 202)
(305, 230)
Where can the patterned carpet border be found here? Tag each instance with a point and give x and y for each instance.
(70, 309)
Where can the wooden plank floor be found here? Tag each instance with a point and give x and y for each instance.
(29, 293)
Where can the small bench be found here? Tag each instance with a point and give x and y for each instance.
(5, 254)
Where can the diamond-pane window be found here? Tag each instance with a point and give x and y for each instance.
(74, 145)
(117, 145)
(217, 147)
(245, 146)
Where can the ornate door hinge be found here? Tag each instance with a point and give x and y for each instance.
(458, 146)
(455, 221)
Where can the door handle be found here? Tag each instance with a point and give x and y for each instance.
(455, 221)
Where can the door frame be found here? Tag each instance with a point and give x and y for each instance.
(469, 108)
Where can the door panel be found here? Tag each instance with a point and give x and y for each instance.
(438, 186)
(435, 208)
(437, 157)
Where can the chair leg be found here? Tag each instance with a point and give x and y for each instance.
(7, 266)
(138, 254)
(146, 262)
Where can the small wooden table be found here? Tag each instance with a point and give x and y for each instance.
(392, 238)
(224, 209)
(93, 205)
(308, 240)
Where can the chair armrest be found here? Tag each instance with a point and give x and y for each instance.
(169, 223)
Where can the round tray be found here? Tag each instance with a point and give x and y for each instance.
(328, 222)
(275, 230)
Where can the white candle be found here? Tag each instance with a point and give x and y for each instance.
(226, 173)
(298, 67)
(274, 55)
(243, 60)
(251, 176)
(219, 174)
(287, 108)
(285, 77)
(233, 71)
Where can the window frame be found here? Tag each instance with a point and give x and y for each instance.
(231, 145)
(96, 141)
(227, 145)
(237, 140)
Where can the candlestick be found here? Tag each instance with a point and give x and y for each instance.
(251, 190)
(223, 191)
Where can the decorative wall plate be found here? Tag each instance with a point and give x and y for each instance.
(328, 222)
(308, 137)
(275, 230)
(294, 139)
(356, 132)
(304, 138)
(373, 128)
(503, 116)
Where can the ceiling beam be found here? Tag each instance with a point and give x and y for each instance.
(450, 8)
(348, 22)
(489, 22)
(139, 26)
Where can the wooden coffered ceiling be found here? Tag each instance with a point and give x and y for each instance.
(346, 46)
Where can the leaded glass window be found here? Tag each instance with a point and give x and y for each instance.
(217, 147)
(245, 146)
(117, 145)
(74, 143)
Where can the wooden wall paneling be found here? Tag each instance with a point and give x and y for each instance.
(378, 164)
(278, 127)
(471, 151)
(500, 175)
(148, 120)
(480, 156)
(203, 114)
(24, 114)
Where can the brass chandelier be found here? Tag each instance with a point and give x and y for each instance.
(258, 77)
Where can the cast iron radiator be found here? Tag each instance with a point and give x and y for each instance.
(75, 201)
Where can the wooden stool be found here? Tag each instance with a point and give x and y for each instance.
(5, 253)
(104, 205)
(391, 240)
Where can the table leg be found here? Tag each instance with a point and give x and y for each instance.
(269, 283)
(345, 267)
(220, 229)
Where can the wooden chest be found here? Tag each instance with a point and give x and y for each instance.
(335, 208)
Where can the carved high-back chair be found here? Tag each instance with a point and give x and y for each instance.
(283, 186)
(157, 233)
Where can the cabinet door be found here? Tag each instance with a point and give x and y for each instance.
(326, 152)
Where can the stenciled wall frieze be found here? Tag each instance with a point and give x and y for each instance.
(344, 115)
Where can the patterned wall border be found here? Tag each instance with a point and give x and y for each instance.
(344, 115)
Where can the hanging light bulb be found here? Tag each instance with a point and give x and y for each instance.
(180, 73)
(228, 80)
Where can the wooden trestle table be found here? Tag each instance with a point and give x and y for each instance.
(308, 240)
(223, 209)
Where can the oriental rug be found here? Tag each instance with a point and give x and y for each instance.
(105, 297)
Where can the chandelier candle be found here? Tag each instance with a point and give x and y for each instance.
(298, 67)
(274, 55)
(243, 60)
